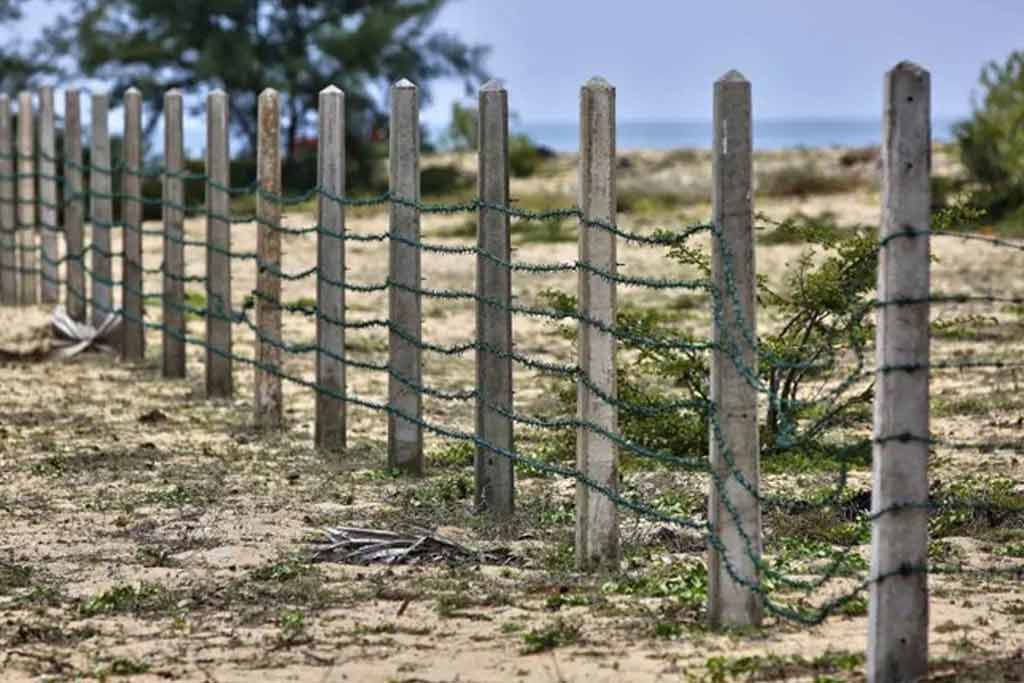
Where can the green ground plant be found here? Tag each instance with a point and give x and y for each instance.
(822, 325)
(558, 633)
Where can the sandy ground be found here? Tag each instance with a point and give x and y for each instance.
(152, 535)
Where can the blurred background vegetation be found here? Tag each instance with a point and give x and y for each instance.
(992, 143)
(298, 46)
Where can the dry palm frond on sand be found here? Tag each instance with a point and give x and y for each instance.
(351, 545)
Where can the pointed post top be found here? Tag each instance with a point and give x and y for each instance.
(331, 90)
(405, 83)
(133, 92)
(493, 85)
(173, 92)
(733, 76)
(217, 92)
(597, 83)
(907, 66)
(268, 92)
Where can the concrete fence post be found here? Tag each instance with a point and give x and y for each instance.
(268, 404)
(405, 437)
(48, 229)
(898, 606)
(74, 206)
(735, 464)
(173, 191)
(219, 383)
(101, 210)
(597, 458)
(495, 472)
(8, 213)
(133, 340)
(330, 260)
(28, 242)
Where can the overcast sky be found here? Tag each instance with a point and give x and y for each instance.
(805, 58)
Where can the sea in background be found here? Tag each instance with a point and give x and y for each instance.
(768, 134)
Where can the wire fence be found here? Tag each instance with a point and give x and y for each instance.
(809, 395)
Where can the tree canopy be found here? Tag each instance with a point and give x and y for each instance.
(992, 140)
(243, 46)
(20, 67)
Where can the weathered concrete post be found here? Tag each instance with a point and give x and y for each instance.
(27, 228)
(219, 382)
(133, 340)
(48, 228)
(405, 438)
(269, 409)
(898, 610)
(8, 215)
(597, 458)
(174, 232)
(74, 206)
(330, 291)
(101, 210)
(495, 474)
(734, 440)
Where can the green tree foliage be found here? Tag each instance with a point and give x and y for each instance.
(294, 46)
(20, 67)
(524, 156)
(461, 135)
(992, 140)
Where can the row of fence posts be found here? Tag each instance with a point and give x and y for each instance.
(897, 649)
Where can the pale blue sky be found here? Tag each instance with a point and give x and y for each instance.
(806, 58)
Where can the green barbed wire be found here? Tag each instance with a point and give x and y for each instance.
(730, 346)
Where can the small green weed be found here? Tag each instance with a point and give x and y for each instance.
(668, 630)
(123, 666)
(511, 627)
(556, 602)
(283, 571)
(964, 327)
(558, 633)
(302, 302)
(543, 232)
(451, 455)
(972, 505)
(55, 465)
(686, 582)
(176, 495)
(15, 576)
(1011, 550)
(442, 490)
(292, 625)
(723, 669)
(559, 557)
(128, 599)
(196, 304)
